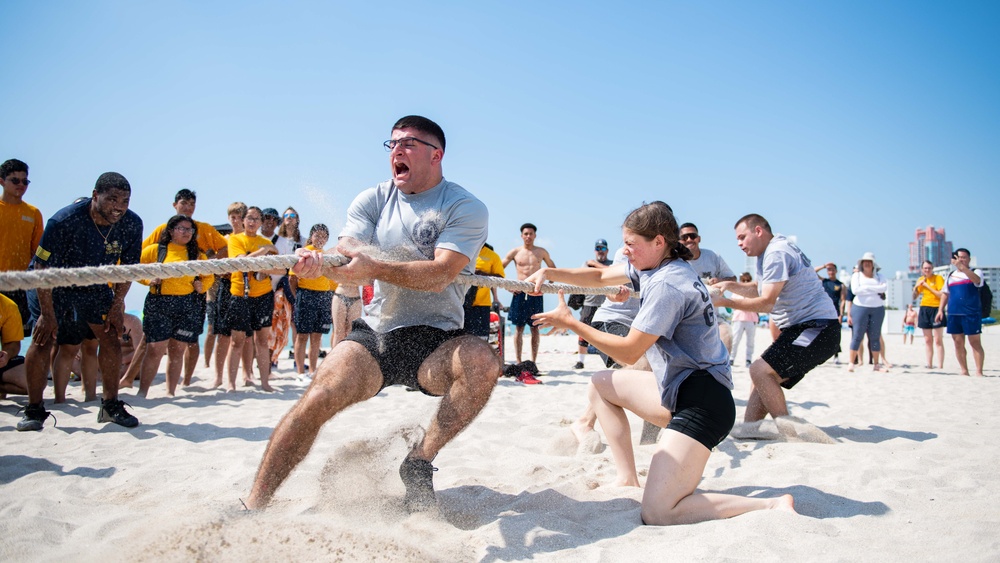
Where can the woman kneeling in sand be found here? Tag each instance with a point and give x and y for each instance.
(689, 389)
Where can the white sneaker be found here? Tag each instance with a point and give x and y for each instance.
(306, 377)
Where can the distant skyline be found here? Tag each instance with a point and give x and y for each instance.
(848, 124)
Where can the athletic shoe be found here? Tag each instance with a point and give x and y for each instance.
(322, 353)
(578, 365)
(114, 411)
(527, 379)
(730, 362)
(418, 478)
(748, 363)
(291, 354)
(34, 417)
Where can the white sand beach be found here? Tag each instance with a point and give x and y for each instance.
(913, 473)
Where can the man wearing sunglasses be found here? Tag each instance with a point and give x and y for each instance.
(413, 334)
(20, 228)
(712, 269)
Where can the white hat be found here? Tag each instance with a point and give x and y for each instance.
(868, 256)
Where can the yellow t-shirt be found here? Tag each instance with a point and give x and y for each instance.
(321, 283)
(488, 262)
(175, 253)
(240, 245)
(21, 230)
(11, 327)
(928, 299)
(208, 237)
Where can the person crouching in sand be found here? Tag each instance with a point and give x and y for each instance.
(689, 389)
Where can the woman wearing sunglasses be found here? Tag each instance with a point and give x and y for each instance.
(167, 321)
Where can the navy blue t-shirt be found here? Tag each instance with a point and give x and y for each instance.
(72, 240)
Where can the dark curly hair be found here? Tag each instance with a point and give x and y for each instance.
(192, 245)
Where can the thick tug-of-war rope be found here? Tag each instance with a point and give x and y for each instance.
(49, 278)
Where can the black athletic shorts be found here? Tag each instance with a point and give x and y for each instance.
(925, 318)
(170, 316)
(250, 314)
(799, 348)
(477, 320)
(705, 410)
(586, 315)
(312, 313)
(11, 364)
(400, 352)
(78, 308)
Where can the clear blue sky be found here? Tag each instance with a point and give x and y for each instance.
(848, 124)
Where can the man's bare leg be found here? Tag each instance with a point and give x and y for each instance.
(192, 352)
(464, 371)
(518, 342)
(61, 366)
(221, 351)
(109, 358)
(236, 353)
(263, 357)
(135, 366)
(350, 377)
(978, 355)
(939, 346)
(766, 394)
(89, 369)
(536, 341)
(963, 361)
(210, 339)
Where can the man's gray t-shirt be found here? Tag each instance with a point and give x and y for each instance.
(802, 298)
(595, 300)
(676, 307)
(613, 312)
(711, 265)
(407, 227)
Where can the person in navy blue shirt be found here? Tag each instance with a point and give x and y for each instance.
(94, 232)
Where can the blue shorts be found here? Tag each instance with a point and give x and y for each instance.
(909, 330)
(522, 306)
(78, 308)
(312, 313)
(250, 314)
(965, 324)
(171, 316)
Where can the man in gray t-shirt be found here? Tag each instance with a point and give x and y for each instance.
(591, 302)
(412, 236)
(712, 269)
(794, 296)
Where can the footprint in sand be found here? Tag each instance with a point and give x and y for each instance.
(794, 427)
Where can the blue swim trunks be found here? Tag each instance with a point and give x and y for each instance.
(522, 306)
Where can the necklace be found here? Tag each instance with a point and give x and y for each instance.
(108, 248)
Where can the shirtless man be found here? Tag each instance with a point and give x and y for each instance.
(528, 259)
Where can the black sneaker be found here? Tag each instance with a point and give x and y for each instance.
(114, 411)
(578, 365)
(418, 477)
(34, 417)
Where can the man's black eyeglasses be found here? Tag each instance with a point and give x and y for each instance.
(408, 143)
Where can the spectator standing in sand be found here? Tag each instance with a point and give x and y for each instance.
(527, 258)
(479, 300)
(289, 240)
(413, 334)
(313, 311)
(99, 231)
(909, 322)
(961, 298)
(712, 269)
(794, 297)
(744, 323)
(214, 245)
(591, 302)
(867, 309)
(690, 388)
(930, 289)
(837, 290)
(20, 229)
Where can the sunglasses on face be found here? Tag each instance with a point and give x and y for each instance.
(689, 236)
(18, 181)
(291, 216)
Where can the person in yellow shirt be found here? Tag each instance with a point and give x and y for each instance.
(252, 301)
(312, 314)
(13, 378)
(214, 245)
(479, 299)
(20, 229)
(167, 318)
(929, 289)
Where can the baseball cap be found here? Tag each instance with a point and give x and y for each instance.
(601, 244)
(271, 212)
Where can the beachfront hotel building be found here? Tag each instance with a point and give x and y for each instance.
(930, 244)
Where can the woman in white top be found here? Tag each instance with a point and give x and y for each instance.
(867, 309)
(689, 389)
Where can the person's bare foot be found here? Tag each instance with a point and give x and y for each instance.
(231, 388)
(217, 383)
(248, 382)
(625, 483)
(784, 502)
(266, 387)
